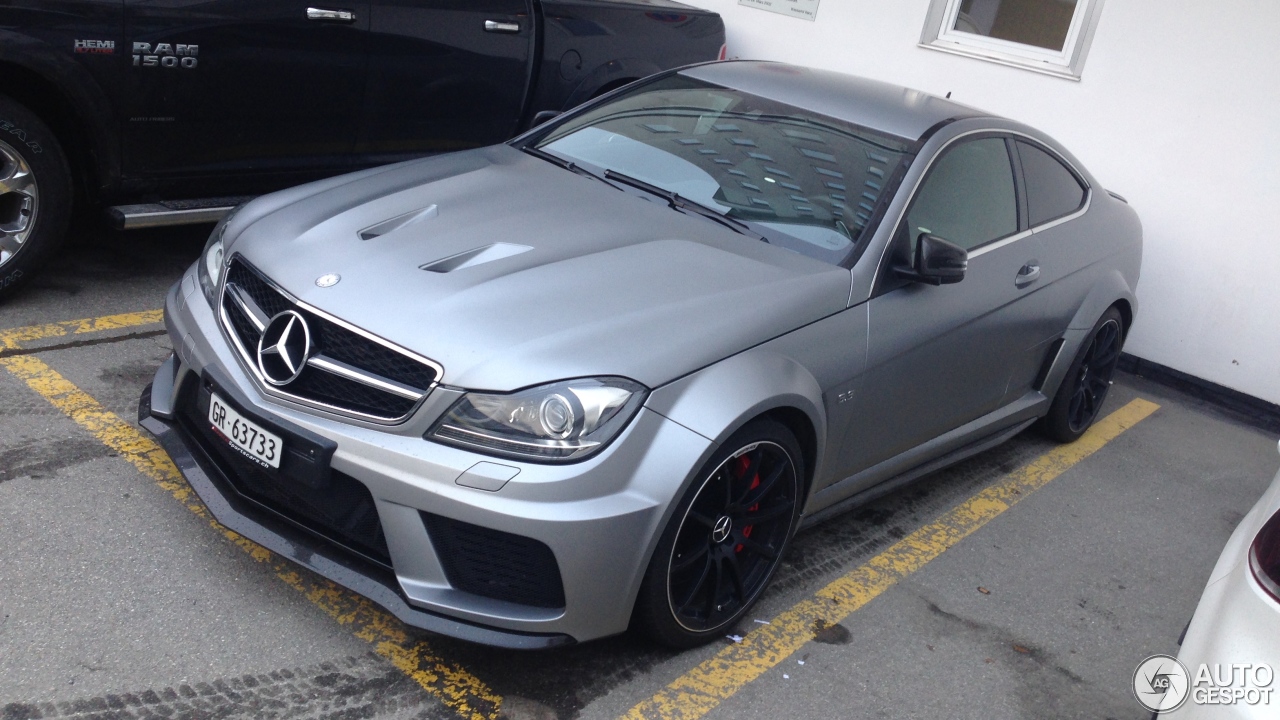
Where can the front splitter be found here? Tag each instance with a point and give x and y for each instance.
(250, 521)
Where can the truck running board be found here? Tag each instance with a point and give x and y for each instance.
(173, 212)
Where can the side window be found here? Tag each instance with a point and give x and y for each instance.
(968, 196)
(1052, 189)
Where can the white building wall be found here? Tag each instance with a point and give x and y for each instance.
(1178, 109)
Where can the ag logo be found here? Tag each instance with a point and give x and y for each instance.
(165, 55)
(1161, 683)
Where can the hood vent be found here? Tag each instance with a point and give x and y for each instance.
(389, 226)
(477, 256)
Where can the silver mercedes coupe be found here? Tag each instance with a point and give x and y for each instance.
(597, 377)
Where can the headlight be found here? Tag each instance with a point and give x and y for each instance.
(213, 259)
(559, 422)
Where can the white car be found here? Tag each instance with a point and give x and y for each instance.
(1232, 646)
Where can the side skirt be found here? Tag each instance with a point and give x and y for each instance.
(938, 453)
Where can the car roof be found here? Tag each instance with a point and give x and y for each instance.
(881, 106)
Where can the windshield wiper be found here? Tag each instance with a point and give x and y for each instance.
(566, 164)
(684, 204)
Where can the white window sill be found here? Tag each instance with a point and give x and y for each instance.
(1000, 58)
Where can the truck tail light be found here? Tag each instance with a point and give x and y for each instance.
(724, 52)
(1264, 557)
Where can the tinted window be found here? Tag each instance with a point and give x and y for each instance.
(968, 196)
(1052, 190)
(810, 183)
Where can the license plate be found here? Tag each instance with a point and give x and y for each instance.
(248, 437)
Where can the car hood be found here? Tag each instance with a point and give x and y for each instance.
(546, 274)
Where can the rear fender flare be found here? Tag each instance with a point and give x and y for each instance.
(1110, 289)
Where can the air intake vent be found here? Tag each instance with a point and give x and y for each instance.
(386, 227)
(496, 564)
(478, 256)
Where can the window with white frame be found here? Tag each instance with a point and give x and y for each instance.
(1049, 36)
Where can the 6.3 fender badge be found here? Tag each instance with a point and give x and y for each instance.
(328, 280)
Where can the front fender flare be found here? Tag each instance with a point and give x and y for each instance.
(717, 400)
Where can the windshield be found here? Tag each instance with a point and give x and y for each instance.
(806, 182)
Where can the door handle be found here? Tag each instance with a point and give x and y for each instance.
(326, 15)
(501, 27)
(1027, 274)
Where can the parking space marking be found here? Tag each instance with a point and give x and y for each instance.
(449, 682)
(13, 338)
(703, 688)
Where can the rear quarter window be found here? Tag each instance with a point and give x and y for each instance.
(1052, 189)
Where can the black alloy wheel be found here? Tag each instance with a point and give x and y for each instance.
(1079, 399)
(726, 540)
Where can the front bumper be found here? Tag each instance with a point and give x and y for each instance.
(600, 518)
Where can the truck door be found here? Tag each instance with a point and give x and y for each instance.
(445, 75)
(269, 88)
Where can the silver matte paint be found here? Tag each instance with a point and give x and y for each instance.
(888, 379)
(614, 284)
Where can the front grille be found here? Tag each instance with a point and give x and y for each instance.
(348, 347)
(496, 564)
(271, 301)
(371, 360)
(338, 391)
(340, 509)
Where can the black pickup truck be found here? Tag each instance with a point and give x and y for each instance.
(172, 111)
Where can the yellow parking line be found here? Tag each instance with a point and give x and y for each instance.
(458, 689)
(700, 690)
(12, 338)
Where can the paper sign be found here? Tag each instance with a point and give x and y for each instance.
(804, 9)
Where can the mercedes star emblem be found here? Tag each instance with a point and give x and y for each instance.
(284, 348)
(328, 280)
(721, 531)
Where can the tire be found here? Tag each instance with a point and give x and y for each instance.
(35, 195)
(704, 576)
(1084, 388)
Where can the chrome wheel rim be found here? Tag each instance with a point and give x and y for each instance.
(1093, 379)
(19, 202)
(731, 537)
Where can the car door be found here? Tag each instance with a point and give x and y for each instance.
(445, 75)
(940, 357)
(1071, 260)
(244, 87)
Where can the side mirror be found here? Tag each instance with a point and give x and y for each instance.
(544, 116)
(938, 262)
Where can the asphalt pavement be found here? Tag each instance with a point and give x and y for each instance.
(1058, 571)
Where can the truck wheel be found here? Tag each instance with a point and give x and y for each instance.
(35, 195)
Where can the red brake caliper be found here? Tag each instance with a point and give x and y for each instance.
(743, 464)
